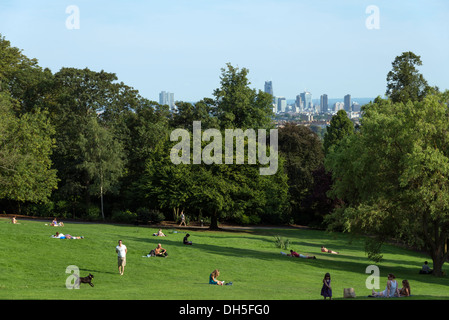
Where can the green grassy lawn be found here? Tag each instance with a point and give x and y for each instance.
(33, 265)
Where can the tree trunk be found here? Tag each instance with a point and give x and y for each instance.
(214, 222)
(439, 256)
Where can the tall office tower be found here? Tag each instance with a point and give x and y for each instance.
(269, 87)
(281, 103)
(167, 98)
(348, 106)
(324, 104)
(299, 104)
(307, 100)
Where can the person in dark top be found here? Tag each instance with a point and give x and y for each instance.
(186, 241)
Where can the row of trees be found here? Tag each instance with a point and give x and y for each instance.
(79, 143)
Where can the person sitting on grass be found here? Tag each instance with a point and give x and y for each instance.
(160, 252)
(297, 255)
(405, 290)
(186, 241)
(391, 290)
(159, 233)
(213, 278)
(55, 223)
(14, 220)
(425, 269)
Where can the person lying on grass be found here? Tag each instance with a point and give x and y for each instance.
(323, 249)
(65, 236)
(297, 255)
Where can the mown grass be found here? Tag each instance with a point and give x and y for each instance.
(34, 265)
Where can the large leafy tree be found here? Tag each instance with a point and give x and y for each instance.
(239, 106)
(26, 143)
(393, 175)
(340, 127)
(303, 154)
(26, 134)
(86, 109)
(404, 82)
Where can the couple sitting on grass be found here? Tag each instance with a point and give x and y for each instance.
(392, 290)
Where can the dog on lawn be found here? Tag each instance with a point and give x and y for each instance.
(87, 279)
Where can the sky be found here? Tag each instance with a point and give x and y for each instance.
(336, 47)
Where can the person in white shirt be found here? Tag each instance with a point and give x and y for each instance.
(121, 256)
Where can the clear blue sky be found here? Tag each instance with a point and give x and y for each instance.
(180, 46)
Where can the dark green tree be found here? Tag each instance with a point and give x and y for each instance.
(239, 106)
(404, 82)
(26, 144)
(303, 153)
(392, 176)
(340, 127)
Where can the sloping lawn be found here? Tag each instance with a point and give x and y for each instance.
(34, 265)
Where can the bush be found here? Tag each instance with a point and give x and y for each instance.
(281, 243)
(124, 216)
(93, 213)
(155, 216)
(143, 214)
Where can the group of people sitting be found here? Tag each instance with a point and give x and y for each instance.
(392, 289)
(161, 252)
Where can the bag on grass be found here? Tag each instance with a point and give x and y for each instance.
(348, 293)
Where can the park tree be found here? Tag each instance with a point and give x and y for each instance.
(340, 127)
(84, 108)
(404, 82)
(303, 153)
(239, 106)
(392, 175)
(26, 144)
(102, 161)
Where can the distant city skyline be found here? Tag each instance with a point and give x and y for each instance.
(327, 47)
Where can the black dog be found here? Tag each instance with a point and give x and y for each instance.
(87, 279)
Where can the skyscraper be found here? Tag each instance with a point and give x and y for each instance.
(324, 104)
(167, 98)
(268, 87)
(281, 103)
(306, 99)
(299, 104)
(348, 106)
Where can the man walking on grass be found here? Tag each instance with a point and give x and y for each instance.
(121, 256)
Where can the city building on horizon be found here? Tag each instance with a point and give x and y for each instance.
(347, 103)
(269, 87)
(324, 103)
(167, 98)
(306, 100)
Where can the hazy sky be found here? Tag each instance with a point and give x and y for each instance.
(181, 46)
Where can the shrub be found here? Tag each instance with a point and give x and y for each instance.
(281, 243)
(124, 216)
(155, 216)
